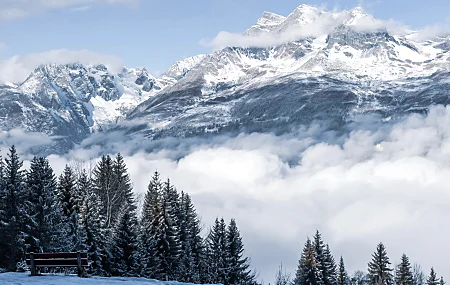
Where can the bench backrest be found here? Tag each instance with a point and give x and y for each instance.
(60, 259)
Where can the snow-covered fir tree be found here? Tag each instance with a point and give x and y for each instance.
(102, 184)
(124, 244)
(12, 212)
(282, 277)
(42, 208)
(67, 191)
(403, 273)
(379, 269)
(307, 271)
(150, 210)
(217, 253)
(432, 278)
(441, 281)
(342, 276)
(238, 267)
(193, 254)
(91, 222)
(418, 275)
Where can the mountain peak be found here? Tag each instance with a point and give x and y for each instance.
(269, 18)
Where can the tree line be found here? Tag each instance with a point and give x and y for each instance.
(317, 266)
(96, 212)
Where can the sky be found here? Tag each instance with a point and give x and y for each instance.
(355, 193)
(156, 33)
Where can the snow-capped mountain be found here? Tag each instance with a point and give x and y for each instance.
(350, 64)
(71, 101)
(309, 65)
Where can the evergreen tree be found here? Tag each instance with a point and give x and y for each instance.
(217, 253)
(418, 275)
(42, 208)
(124, 246)
(342, 277)
(441, 281)
(403, 274)
(91, 223)
(102, 184)
(432, 278)
(307, 271)
(379, 267)
(238, 271)
(193, 253)
(150, 210)
(282, 277)
(74, 235)
(12, 212)
(166, 245)
(330, 270)
(121, 187)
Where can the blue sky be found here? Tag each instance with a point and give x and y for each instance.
(155, 33)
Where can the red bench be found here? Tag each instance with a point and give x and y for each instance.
(61, 259)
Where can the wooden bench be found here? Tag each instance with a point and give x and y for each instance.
(61, 259)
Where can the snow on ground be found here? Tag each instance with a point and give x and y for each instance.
(13, 278)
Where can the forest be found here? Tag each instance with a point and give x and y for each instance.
(96, 211)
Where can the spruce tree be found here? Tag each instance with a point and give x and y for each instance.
(418, 275)
(282, 277)
(238, 271)
(193, 254)
(380, 272)
(307, 271)
(150, 210)
(91, 223)
(42, 208)
(74, 235)
(12, 212)
(102, 184)
(166, 245)
(441, 281)
(403, 274)
(217, 253)
(342, 277)
(432, 278)
(330, 270)
(124, 244)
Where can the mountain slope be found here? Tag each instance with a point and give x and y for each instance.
(345, 71)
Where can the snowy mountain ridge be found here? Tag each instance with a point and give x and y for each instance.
(284, 71)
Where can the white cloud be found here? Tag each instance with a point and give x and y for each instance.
(13, 9)
(385, 184)
(17, 68)
(323, 24)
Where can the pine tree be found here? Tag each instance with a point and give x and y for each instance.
(403, 274)
(307, 271)
(42, 208)
(91, 223)
(166, 245)
(150, 210)
(124, 245)
(342, 277)
(441, 281)
(12, 212)
(282, 277)
(330, 270)
(193, 255)
(238, 271)
(432, 278)
(121, 185)
(102, 184)
(379, 270)
(74, 235)
(217, 253)
(418, 275)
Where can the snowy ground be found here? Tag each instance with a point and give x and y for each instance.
(26, 279)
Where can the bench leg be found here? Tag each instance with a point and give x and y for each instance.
(33, 268)
(79, 264)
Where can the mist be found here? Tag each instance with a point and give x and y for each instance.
(379, 182)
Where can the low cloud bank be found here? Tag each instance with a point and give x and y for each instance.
(388, 184)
